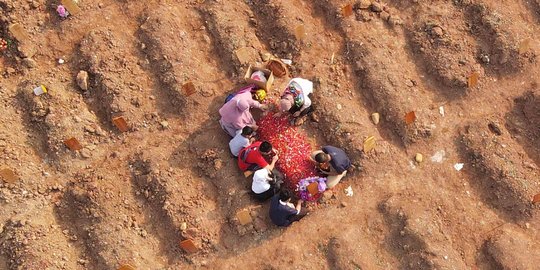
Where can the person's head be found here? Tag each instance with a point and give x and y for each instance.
(265, 148)
(285, 195)
(286, 102)
(248, 132)
(322, 157)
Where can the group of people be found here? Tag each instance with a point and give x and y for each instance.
(260, 158)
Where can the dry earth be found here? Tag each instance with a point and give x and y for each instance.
(130, 198)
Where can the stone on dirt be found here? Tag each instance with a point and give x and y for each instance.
(376, 7)
(364, 4)
(82, 80)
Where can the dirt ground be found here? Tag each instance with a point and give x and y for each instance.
(467, 68)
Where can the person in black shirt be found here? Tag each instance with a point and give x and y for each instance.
(332, 162)
(282, 211)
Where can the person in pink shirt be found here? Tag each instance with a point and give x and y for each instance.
(235, 114)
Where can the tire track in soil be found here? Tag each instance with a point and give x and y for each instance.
(312, 55)
(31, 240)
(440, 45)
(118, 86)
(498, 38)
(86, 211)
(234, 39)
(377, 56)
(506, 183)
(418, 238)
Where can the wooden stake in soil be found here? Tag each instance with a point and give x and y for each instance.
(369, 144)
(120, 123)
(126, 267)
(473, 80)
(18, 32)
(410, 117)
(71, 7)
(8, 176)
(347, 10)
(73, 144)
(244, 217)
(189, 88)
(536, 198)
(188, 246)
(313, 188)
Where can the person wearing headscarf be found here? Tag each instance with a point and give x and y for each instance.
(235, 114)
(295, 99)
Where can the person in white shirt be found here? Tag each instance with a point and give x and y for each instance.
(243, 138)
(264, 184)
(295, 99)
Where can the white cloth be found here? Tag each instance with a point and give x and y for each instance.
(307, 89)
(238, 143)
(260, 181)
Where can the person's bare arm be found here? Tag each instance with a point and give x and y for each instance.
(313, 154)
(299, 206)
(271, 166)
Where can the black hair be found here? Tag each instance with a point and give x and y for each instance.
(321, 157)
(247, 130)
(285, 195)
(265, 147)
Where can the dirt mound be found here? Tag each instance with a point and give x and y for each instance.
(512, 249)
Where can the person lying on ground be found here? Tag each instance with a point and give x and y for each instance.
(243, 138)
(254, 157)
(265, 183)
(295, 100)
(282, 211)
(235, 113)
(332, 162)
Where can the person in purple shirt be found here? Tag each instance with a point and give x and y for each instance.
(235, 114)
(282, 211)
(333, 162)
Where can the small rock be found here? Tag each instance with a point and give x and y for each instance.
(344, 204)
(100, 5)
(385, 15)
(82, 80)
(29, 62)
(376, 7)
(364, 4)
(419, 157)
(183, 226)
(395, 20)
(494, 127)
(375, 117)
(485, 58)
(339, 106)
(437, 31)
(86, 153)
(164, 124)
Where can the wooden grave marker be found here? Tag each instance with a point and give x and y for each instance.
(300, 32)
(126, 267)
(189, 88)
(410, 117)
(536, 198)
(347, 10)
(18, 32)
(8, 176)
(73, 144)
(120, 123)
(472, 81)
(188, 246)
(369, 144)
(244, 217)
(71, 6)
(313, 188)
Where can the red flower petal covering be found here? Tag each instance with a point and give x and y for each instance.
(292, 145)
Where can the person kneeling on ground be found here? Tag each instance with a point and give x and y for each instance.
(296, 101)
(236, 114)
(333, 162)
(242, 140)
(265, 183)
(282, 211)
(253, 157)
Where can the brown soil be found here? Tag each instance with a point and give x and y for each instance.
(130, 198)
